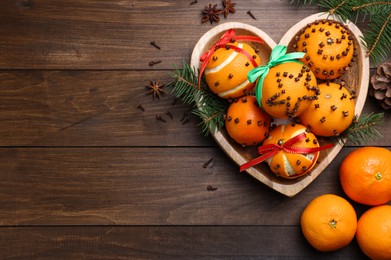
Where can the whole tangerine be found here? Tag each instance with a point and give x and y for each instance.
(226, 72)
(365, 175)
(246, 122)
(374, 232)
(329, 222)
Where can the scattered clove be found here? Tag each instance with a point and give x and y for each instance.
(211, 188)
(207, 163)
(169, 114)
(152, 63)
(153, 43)
(194, 2)
(141, 108)
(251, 14)
(161, 119)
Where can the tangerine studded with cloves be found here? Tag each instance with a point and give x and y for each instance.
(288, 90)
(333, 111)
(246, 122)
(329, 48)
(226, 72)
(291, 165)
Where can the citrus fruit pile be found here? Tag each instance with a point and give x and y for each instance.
(297, 91)
(311, 99)
(329, 222)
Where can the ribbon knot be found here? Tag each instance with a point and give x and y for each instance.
(269, 150)
(228, 37)
(277, 56)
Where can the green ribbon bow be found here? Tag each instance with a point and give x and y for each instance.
(278, 56)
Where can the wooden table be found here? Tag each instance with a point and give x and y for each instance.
(85, 173)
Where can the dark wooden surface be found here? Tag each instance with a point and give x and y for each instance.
(86, 174)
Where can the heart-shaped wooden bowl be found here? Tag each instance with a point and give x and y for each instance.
(356, 78)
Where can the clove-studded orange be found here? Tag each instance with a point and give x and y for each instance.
(329, 48)
(333, 111)
(226, 72)
(288, 90)
(292, 165)
(246, 122)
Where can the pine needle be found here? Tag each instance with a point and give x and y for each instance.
(377, 38)
(363, 129)
(207, 106)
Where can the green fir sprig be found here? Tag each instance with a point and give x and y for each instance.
(377, 36)
(207, 106)
(363, 129)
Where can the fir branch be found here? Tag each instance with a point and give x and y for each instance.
(341, 9)
(207, 105)
(211, 122)
(331, 11)
(363, 129)
(355, 8)
(377, 39)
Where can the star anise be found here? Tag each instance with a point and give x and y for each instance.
(155, 89)
(211, 13)
(228, 7)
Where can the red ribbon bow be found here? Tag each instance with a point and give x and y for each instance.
(269, 150)
(227, 37)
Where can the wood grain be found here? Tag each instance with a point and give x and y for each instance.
(90, 108)
(143, 186)
(162, 242)
(61, 34)
(85, 174)
(99, 108)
